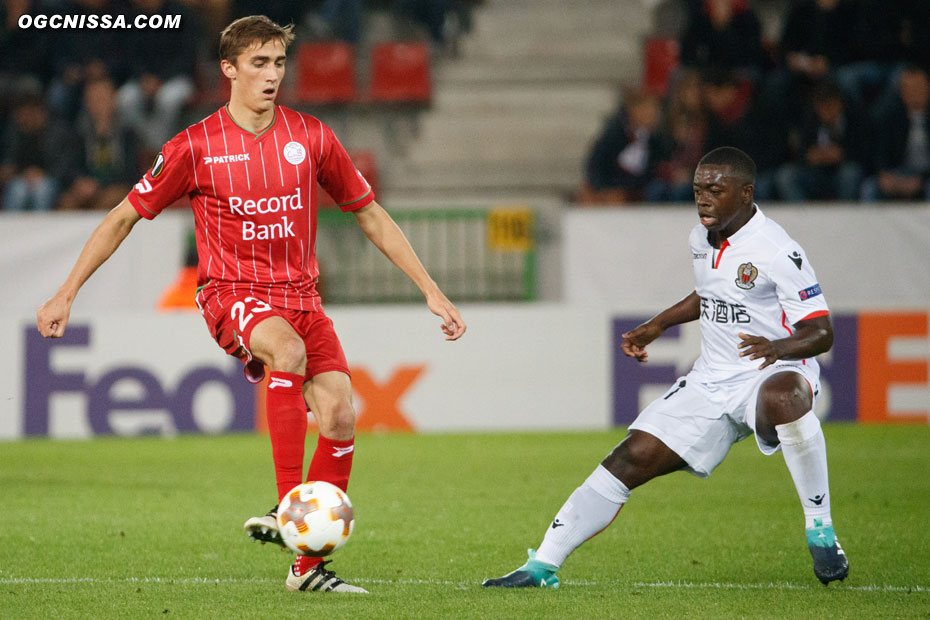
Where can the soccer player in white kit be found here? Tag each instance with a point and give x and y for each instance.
(763, 319)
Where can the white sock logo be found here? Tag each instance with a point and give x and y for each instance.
(279, 382)
(337, 452)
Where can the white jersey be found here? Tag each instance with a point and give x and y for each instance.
(759, 282)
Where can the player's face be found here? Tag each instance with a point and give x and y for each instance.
(724, 202)
(257, 74)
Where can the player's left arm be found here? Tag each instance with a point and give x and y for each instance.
(802, 303)
(387, 236)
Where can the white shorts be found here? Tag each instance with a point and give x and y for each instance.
(699, 419)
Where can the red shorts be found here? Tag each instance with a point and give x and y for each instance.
(232, 317)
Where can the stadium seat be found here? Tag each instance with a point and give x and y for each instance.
(660, 59)
(400, 73)
(326, 73)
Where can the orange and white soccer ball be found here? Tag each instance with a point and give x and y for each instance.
(315, 518)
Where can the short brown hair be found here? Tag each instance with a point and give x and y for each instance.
(245, 31)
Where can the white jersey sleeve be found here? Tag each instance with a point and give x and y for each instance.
(796, 285)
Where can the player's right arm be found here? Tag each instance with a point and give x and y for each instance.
(52, 316)
(635, 341)
(171, 176)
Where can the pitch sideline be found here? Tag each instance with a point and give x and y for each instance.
(460, 584)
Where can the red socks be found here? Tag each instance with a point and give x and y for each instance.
(287, 425)
(332, 462)
(304, 563)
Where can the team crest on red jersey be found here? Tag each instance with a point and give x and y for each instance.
(746, 276)
(294, 153)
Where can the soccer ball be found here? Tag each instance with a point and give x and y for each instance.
(315, 518)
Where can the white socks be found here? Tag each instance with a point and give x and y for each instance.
(589, 509)
(805, 451)
(595, 504)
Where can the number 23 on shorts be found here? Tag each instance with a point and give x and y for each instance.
(244, 311)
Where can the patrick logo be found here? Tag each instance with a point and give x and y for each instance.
(278, 382)
(340, 452)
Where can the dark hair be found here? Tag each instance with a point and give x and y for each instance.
(739, 162)
(245, 31)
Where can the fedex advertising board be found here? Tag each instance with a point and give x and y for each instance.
(519, 367)
(876, 372)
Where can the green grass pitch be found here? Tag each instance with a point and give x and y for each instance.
(152, 528)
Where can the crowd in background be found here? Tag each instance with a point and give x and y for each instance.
(83, 112)
(838, 108)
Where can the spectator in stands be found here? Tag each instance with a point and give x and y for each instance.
(913, 33)
(317, 19)
(83, 54)
(728, 102)
(23, 53)
(831, 147)
(724, 34)
(279, 11)
(875, 46)
(907, 23)
(902, 143)
(162, 64)
(336, 19)
(428, 14)
(818, 37)
(625, 155)
(37, 157)
(683, 133)
(108, 165)
(733, 119)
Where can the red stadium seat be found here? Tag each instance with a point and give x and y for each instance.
(326, 73)
(400, 73)
(660, 59)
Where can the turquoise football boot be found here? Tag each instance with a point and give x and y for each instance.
(533, 574)
(830, 563)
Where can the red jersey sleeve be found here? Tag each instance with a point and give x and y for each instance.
(169, 179)
(339, 177)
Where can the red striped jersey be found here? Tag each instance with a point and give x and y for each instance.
(759, 282)
(254, 201)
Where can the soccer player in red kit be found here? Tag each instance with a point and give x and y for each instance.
(250, 170)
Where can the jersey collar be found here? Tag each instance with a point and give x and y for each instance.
(756, 222)
(254, 135)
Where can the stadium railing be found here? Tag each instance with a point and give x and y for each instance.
(474, 254)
